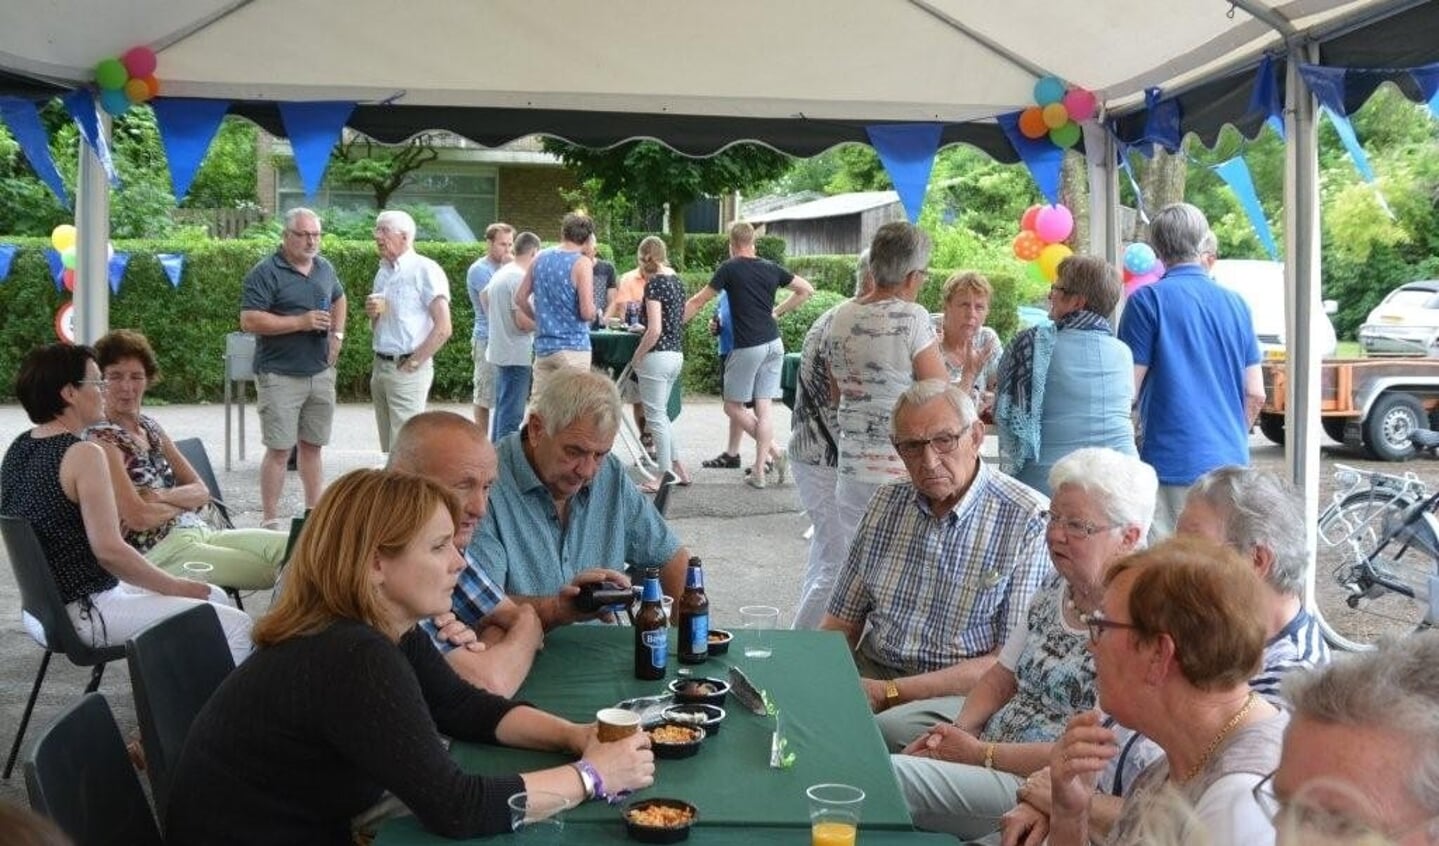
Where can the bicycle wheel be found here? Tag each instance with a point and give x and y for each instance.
(1348, 533)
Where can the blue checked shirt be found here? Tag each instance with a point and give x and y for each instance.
(610, 524)
(475, 596)
(937, 589)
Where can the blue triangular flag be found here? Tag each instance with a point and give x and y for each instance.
(1043, 159)
(1267, 98)
(1427, 78)
(187, 126)
(907, 152)
(173, 264)
(314, 128)
(81, 106)
(118, 263)
(23, 118)
(1327, 85)
(7, 255)
(1161, 123)
(57, 267)
(1351, 143)
(1235, 174)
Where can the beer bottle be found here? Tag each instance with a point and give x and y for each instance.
(694, 614)
(651, 631)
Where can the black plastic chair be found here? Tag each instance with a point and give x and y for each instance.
(40, 598)
(80, 776)
(175, 665)
(194, 451)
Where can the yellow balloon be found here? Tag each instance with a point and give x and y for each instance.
(1055, 115)
(62, 237)
(1049, 259)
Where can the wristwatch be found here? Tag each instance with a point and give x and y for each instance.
(339, 336)
(891, 694)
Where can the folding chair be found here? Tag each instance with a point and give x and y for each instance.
(40, 598)
(194, 451)
(629, 436)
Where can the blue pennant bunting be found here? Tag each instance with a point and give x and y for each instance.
(1327, 86)
(1427, 78)
(1267, 98)
(1043, 159)
(314, 128)
(81, 106)
(187, 126)
(1161, 123)
(1235, 174)
(173, 264)
(1434, 105)
(23, 118)
(1128, 169)
(907, 152)
(7, 256)
(118, 263)
(57, 267)
(1351, 142)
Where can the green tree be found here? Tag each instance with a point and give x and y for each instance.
(650, 175)
(226, 178)
(383, 168)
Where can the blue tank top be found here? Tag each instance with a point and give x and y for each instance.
(558, 325)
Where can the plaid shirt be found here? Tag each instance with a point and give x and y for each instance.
(475, 596)
(937, 589)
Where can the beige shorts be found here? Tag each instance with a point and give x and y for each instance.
(484, 394)
(296, 408)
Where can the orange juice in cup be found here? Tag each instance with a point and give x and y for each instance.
(832, 833)
(834, 814)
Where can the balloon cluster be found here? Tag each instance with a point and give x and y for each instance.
(1141, 267)
(1057, 112)
(63, 238)
(127, 81)
(1042, 230)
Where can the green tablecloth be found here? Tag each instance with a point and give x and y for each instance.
(789, 379)
(408, 831)
(810, 676)
(612, 350)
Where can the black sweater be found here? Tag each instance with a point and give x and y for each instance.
(306, 734)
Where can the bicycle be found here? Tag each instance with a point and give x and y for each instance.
(1379, 544)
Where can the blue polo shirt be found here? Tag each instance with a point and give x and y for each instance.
(611, 524)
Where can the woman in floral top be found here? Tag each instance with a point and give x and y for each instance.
(158, 494)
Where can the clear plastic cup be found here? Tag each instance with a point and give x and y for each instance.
(200, 571)
(537, 816)
(834, 814)
(758, 623)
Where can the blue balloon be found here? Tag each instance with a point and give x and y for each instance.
(114, 101)
(1049, 89)
(1139, 258)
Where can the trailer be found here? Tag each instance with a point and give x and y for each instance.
(1370, 402)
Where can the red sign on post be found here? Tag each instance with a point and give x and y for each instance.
(65, 323)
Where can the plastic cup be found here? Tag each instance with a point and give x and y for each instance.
(537, 815)
(199, 571)
(758, 623)
(616, 724)
(379, 302)
(834, 814)
(669, 604)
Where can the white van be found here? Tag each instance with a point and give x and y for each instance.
(1261, 284)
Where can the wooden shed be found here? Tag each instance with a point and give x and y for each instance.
(838, 225)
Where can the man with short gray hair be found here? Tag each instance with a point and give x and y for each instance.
(563, 502)
(409, 311)
(1196, 365)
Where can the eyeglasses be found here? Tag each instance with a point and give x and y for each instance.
(306, 235)
(1322, 823)
(102, 384)
(943, 443)
(1075, 529)
(1097, 623)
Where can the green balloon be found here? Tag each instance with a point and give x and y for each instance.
(67, 258)
(1036, 272)
(1065, 136)
(110, 74)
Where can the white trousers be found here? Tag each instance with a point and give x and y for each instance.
(123, 610)
(827, 546)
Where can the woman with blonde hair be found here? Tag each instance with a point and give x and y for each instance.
(345, 699)
(659, 358)
(971, 349)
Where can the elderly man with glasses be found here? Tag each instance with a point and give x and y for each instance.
(943, 566)
(294, 302)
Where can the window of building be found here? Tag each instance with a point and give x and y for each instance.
(470, 188)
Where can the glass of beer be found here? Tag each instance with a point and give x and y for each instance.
(834, 814)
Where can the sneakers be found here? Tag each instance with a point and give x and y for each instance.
(276, 524)
(723, 461)
(781, 465)
(754, 480)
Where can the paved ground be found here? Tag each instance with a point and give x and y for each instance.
(750, 540)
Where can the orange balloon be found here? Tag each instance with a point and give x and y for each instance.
(1031, 123)
(1055, 115)
(1049, 259)
(1026, 222)
(153, 84)
(137, 91)
(1028, 246)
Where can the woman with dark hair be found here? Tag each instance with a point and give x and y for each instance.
(157, 492)
(345, 698)
(62, 485)
(1069, 384)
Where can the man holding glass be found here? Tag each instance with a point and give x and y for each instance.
(294, 303)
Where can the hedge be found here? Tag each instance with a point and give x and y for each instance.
(188, 324)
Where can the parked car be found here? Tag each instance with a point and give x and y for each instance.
(1406, 322)
(1261, 284)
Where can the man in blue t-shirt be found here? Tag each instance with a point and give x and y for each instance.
(1196, 365)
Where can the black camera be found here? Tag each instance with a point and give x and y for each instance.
(598, 596)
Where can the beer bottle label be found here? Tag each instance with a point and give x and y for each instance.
(697, 634)
(658, 642)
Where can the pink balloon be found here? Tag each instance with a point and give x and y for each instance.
(1053, 223)
(1138, 282)
(139, 61)
(1080, 104)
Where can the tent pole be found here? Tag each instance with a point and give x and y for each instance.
(1100, 158)
(1301, 279)
(92, 261)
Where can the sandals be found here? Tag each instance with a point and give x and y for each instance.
(753, 480)
(653, 486)
(723, 461)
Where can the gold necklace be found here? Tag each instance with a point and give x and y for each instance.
(1219, 738)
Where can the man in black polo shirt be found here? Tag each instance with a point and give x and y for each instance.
(752, 368)
(294, 303)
